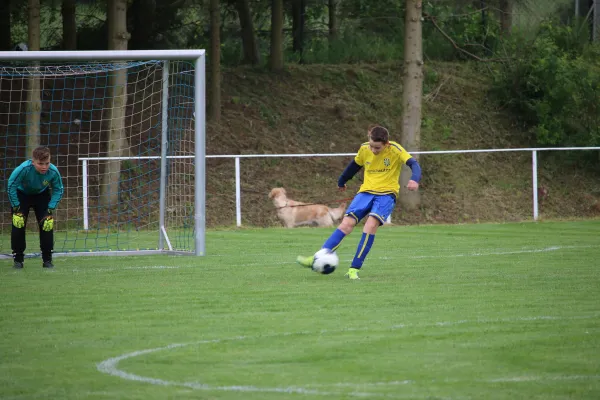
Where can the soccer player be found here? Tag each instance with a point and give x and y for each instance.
(29, 186)
(382, 160)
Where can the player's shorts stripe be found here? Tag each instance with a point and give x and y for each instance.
(353, 216)
(379, 217)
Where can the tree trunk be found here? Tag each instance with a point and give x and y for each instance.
(412, 92)
(249, 42)
(5, 35)
(484, 24)
(596, 21)
(298, 12)
(506, 14)
(333, 20)
(276, 57)
(215, 61)
(117, 102)
(34, 101)
(144, 14)
(581, 8)
(69, 25)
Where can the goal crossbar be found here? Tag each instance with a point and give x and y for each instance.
(197, 58)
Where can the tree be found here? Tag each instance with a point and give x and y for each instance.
(69, 24)
(506, 12)
(249, 42)
(276, 56)
(333, 20)
(5, 35)
(143, 16)
(34, 101)
(298, 23)
(215, 61)
(412, 92)
(596, 21)
(117, 99)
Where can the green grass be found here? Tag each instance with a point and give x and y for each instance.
(506, 311)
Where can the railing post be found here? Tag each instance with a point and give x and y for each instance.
(164, 146)
(238, 193)
(84, 177)
(535, 184)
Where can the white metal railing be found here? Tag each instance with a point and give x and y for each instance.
(238, 196)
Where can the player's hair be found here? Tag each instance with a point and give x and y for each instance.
(41, 153)
(378, 133)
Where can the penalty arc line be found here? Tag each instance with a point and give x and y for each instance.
(111, 366)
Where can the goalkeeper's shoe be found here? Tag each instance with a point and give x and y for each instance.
(18, 265)
(306, 261)
(352, 274)
(47, 264)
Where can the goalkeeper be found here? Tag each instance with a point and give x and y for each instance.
(30, 186)
(382, 161)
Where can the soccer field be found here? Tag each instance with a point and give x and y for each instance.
(490, 311)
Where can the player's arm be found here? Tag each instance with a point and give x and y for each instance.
(57, 189)
(415, 178)
(13, 183)
(47, 222)
(351, 169)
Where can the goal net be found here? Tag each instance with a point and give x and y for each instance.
(126, 132)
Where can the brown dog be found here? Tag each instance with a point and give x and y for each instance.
(294, 213)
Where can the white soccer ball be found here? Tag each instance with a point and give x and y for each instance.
(21, 47)
(325, 261)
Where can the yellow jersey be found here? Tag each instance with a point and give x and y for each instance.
(382, 171)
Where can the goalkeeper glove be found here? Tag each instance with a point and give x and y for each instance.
(48, 221)
(18, 219)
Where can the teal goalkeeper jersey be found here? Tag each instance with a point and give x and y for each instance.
(26, 179)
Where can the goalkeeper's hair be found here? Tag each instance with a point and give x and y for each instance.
(378, 133)
(41, 153)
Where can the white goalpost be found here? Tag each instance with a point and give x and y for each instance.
(126, 130)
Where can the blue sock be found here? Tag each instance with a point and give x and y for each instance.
(366, 241)
(334, 240)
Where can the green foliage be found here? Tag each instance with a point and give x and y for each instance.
(353, 48)
(466, 27)
(384, 18)
(553, 85)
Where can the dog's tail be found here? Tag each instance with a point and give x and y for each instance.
(338, 212)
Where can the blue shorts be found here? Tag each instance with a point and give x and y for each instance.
(378, 205)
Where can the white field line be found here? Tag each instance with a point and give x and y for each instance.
(111, 366)
(443, 252)
(146, 267)
(502, 253)
(482, 254)
(548, 378)
(406, 256)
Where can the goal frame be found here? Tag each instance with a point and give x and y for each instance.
(198, 57)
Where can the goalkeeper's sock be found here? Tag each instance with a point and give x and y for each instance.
(366, 241)
(334, 240)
